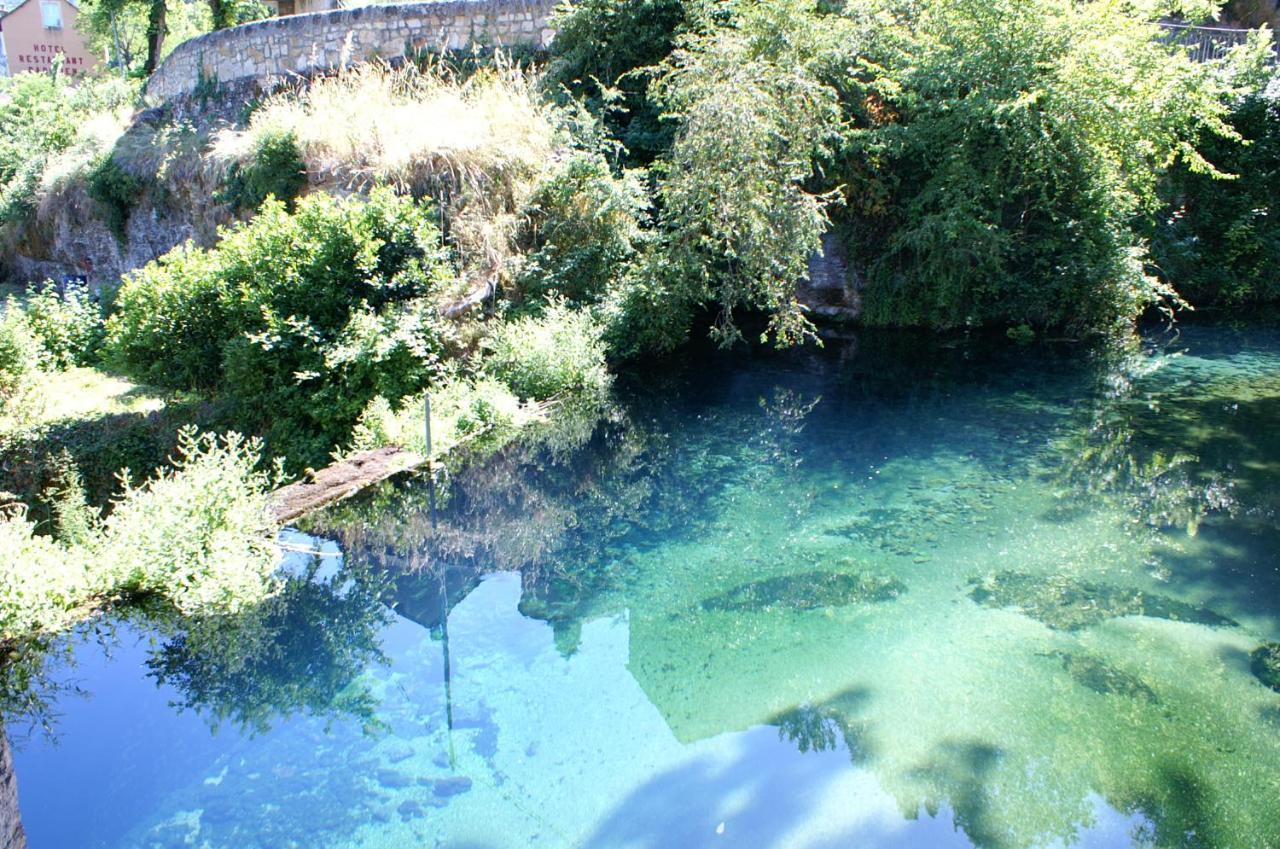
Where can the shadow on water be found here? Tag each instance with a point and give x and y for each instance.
(1234, 566)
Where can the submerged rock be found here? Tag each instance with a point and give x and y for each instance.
(398, 751)
(807, 591)
(1068, 604)
(409, 809)
(392, 779)
(452, 786)
(1264, 661)
(1101, 677)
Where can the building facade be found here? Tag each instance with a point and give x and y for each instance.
(35, 32)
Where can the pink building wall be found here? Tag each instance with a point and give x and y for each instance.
(29, 45)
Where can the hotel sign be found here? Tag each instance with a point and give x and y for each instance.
(37, 32)
(39, 57)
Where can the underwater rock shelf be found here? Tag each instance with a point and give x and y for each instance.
(341, 480)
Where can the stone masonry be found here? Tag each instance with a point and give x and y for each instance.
(276, 48)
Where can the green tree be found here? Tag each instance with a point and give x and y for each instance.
(739, 212)
(1003, 152)
(603, 55)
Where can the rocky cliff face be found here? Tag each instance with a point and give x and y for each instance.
(832, 289)
(12, 835)
(74, 241)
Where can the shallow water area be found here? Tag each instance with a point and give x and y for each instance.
(897, 593)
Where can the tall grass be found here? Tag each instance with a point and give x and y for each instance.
(478, 145)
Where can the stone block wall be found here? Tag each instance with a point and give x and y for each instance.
(302, 44)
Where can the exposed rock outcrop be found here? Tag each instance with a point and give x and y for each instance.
(12, 835)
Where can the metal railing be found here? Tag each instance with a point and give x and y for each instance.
(1205, 44)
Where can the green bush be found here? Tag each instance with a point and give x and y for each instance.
(297, 320)
(1002, 153)
(117, 192)
(21, 361)
(199, 536)
(584, 231)
(1218, 241)
(275, 169)
(68, 324)
(558, 352)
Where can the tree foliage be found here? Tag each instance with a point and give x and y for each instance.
(1004, 151)
(983, 162)
(1218, 241)
(603, 55)
(738, 217)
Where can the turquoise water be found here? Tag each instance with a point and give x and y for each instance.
(896, 593)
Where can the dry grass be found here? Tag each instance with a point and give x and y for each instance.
(66, 174)
(477, 145)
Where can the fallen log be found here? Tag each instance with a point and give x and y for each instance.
(341, 480)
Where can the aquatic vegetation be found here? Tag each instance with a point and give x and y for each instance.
(1066, 603)
(1102, 677)
(1264, 661)
(807, 591)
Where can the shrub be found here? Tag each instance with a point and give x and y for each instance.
(298, 320)
(1002, 153)
(275, 169)
(462, 410)
(558, 352)
(69, 324)
(200, 533)
(199, 536)
(21, 361)
(116, 191)
(42, 115)
(584, 231)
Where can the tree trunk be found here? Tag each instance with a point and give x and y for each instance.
(222, 10)
(156, 31)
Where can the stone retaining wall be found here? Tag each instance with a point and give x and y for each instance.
(303, 44)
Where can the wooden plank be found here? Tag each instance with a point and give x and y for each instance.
(341, 480)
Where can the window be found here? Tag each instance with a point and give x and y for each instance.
(51, 14)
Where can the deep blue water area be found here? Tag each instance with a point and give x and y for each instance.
(899, 592)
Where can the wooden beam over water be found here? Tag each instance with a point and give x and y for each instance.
(341, 480)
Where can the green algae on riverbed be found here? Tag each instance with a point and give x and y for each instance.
(1068, 603)
(806, 591)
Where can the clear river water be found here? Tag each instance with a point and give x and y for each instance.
(894, 593)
